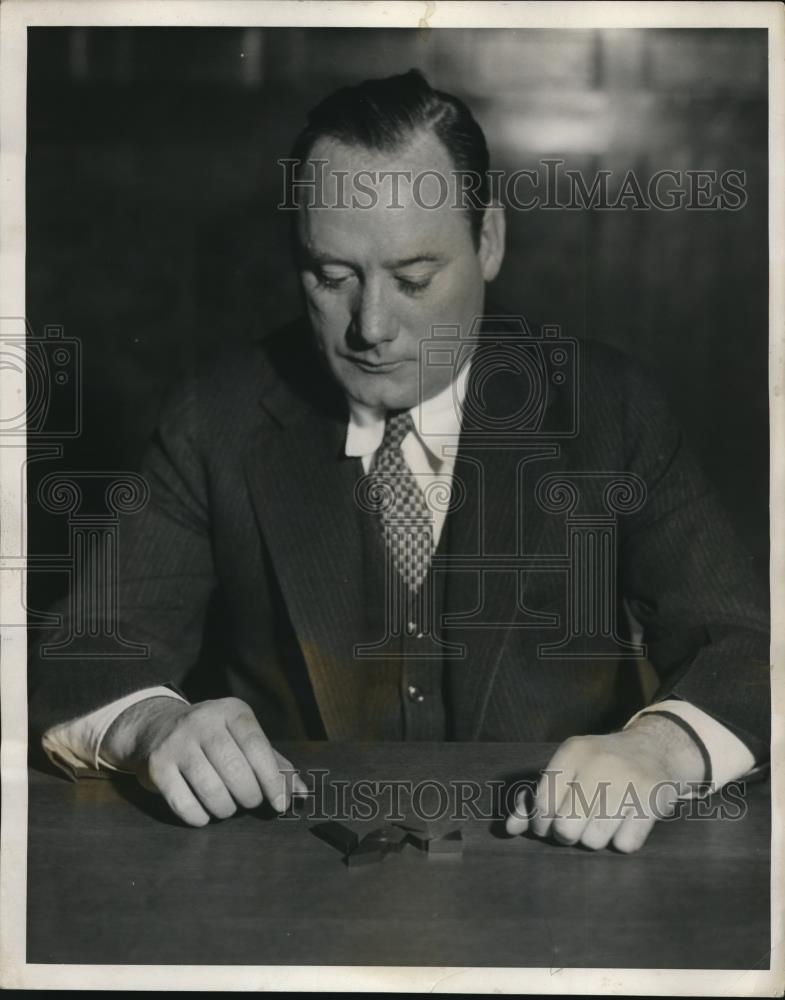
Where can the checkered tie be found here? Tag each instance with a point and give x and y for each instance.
(407, 523)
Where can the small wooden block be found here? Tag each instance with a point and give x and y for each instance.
(413, 824)
(418, 840)
(431, 831)
(438, 828)
(336, 835)
(391, 838)
(452, 843)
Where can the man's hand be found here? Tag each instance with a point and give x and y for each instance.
(205, 759)
(598, 790)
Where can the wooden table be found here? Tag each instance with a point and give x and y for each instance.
(113, 879)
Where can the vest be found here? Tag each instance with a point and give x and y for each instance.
(407, 692)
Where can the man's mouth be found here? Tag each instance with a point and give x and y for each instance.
(377, 367)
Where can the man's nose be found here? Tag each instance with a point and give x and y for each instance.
(373, 320)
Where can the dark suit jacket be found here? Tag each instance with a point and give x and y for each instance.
(252, 526)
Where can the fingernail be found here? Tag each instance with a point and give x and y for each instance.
(279, 803)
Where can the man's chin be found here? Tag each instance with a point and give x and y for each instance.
(384, 397)
(376, 390)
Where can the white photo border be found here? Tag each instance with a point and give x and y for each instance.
(15, 17)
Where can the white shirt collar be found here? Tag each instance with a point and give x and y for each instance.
(437, 422)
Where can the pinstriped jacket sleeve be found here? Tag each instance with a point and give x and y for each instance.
(689, 580)
(166, 578)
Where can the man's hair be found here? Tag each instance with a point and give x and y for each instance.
(384, 114)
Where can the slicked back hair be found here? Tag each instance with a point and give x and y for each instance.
(384, 114)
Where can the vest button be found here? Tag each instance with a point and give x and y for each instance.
(414, 693)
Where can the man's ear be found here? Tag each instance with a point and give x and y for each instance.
(491, 250)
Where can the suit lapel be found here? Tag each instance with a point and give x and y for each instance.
(302, 489)
(480, 605)
(493, 512)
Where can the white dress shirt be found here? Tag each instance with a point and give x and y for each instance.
(430, 451)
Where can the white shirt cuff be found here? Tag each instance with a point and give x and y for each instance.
(74, 746)
(730, 758)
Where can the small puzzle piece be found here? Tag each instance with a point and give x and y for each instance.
(389, 837)
(418, 840)
(336, 835)
(422, 832)
(413, 824)
(450, 845)
(417, 827)
(376, 845)
(440, 827)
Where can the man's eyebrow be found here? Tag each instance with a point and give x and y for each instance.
(421, 258)
(319, 257)
(316, 257)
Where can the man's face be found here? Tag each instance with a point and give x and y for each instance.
(376, 280)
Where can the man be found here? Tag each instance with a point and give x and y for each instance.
(260, 517)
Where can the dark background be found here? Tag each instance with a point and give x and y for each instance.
(153, 234)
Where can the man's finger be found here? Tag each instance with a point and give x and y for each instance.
(295, 783)
(518, 820)
(179, 797)
(233, 769)
(665, 799)
(633, 833)
(593, 810)
(606, 818)
(208, 787)
(249, 736)
(553, 795)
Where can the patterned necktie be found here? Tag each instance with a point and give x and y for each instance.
(407, 523)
